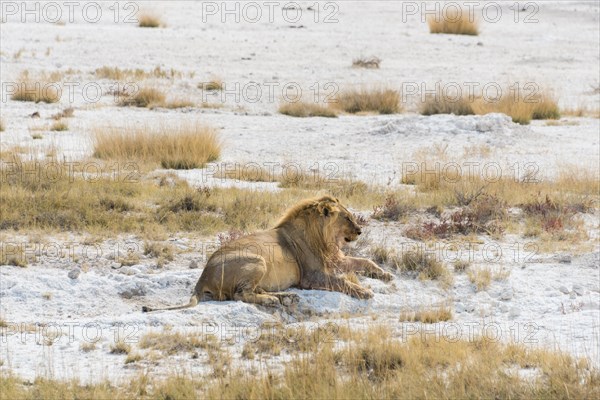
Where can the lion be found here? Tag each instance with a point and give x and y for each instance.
(303, 250)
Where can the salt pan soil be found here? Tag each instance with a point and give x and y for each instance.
(549, 299)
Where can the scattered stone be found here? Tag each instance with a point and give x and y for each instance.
(193, 264)
(514, 312)
(131, 290)
(479, 43)
(35, 115)
(74, 273)
(507, 294)
(129, 271)
(579, 290)
(564, 259)
(564, 289)
(573, 295)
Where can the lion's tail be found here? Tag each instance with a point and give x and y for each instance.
(193, 302)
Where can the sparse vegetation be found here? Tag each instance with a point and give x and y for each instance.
(118, 74)
(382, 101)
(2, 125)
(86, 347)
(522, 107)
(145, 97)
(59, 126)
(163, 251)
(120, 347)
(212, 85)
(367, 365)
(481, 277)
(429, 315)
(461, 265)
(133, 358)
(66, 113)
(149, 20)
(393, 209)
(175, 146)
(175, 342)
(306, 109)
(364, 62)
(36, 91)
(424, 264)
(456, 22)
(445, 104)
(482, 214)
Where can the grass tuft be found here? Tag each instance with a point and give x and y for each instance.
(149, 20)
(382, 101)
(306, 109)
(455, 22)
(174, 146)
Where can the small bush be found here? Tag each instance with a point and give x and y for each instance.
(59, 126)
(149, 20)
(120, 347)
(455, 23)
(382, 101)
(428, 315)
(422, 263)
(175, 342)
(392, 210)
(369, 63)
(305, 109)
(213, 85)
(480, 277)
(486, 214)
(28, 90)
(461, 265)
(145, 97)
(182, 146)
(444, 104)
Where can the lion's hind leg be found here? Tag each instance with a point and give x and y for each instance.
(253, 270)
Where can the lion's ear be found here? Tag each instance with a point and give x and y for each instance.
(325, 208)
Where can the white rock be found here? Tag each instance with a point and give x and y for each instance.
(193, 264)
(507, 294)
(514, 312)
(564, 289)
(74, 273)
(579, 290)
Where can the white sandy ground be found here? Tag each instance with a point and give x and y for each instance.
(555, 294)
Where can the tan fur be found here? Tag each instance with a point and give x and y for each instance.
(303, 250)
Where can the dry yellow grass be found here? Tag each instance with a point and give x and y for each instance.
(214, 84)
(36, 91)
(175, 342)
(444, 104)
(581, 111)
(382, 101)
(364, 62)
(118, 74)
(480, 277)
(521, 108)
(367, 365)
(149, 20)
(2, 125)
(456, 22)
(429, 315)
(306, 109)
(176, 146)
(145, 97)
(59, 126)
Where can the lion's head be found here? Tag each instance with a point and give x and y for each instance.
(326, 223)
